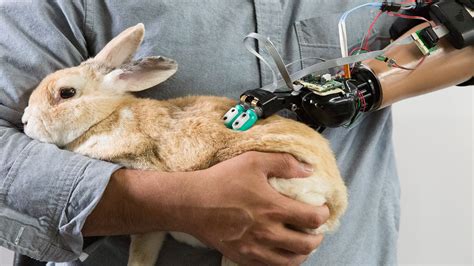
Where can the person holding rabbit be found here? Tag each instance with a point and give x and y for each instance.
(175, 135)
(52, 199)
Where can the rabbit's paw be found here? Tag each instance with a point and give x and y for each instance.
(311, 190)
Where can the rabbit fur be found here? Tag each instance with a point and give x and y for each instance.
(104, 121)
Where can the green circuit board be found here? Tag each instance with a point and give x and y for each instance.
(321, 86)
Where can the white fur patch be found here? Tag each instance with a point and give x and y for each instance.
(112, 81)
(187, 239)
(312, 190)
(103, 142)
(126, 113)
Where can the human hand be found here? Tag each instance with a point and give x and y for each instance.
(243, 217)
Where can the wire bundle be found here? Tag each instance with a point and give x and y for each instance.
(390, 9)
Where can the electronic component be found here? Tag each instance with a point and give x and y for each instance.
(232, 115)
(390, 7)
(331, 101)
(267, 103)
(350, 97)
(426, 40)
(245, 121)
(416, 38)
(322, 101)
(458, 18)
(428, 36)
(321, 85)
(240, 118)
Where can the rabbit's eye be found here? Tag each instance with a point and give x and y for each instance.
(67, 92)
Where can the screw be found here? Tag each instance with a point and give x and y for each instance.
(294, 107)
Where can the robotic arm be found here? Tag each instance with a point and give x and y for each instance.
(434, 59)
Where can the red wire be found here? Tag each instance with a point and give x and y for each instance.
(413, 1)
(365, 41)
(367, 36)
(406, 16)
(362, 100)
(369, 32)
(421, 61)
(409, 68)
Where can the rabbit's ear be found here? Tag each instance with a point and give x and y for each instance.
(141, 74)
(121, 48)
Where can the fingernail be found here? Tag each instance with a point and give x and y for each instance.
(306, 167)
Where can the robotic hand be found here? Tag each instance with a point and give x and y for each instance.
(327, 100)
(321, 101)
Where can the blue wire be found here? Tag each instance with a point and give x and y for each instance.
(342, 21)
(345, 14)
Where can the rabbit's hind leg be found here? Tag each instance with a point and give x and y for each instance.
(227, 262)
(311, 190)
(145, 248)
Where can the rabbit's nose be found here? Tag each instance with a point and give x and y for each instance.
(24, 117)
(24, 120)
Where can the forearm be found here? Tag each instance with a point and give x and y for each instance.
(445, 67)
(138, 201)
(45, 195)
(229, 206)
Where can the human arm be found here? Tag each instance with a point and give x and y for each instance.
(248, 218)
(45, 193)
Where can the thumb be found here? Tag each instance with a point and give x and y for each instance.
(284, 165)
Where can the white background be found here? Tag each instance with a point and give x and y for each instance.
(433, 140)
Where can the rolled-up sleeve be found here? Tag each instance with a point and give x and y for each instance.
(46, 193)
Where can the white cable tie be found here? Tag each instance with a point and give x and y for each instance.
(440, 30)
(83, 257)
(323, 66)
(270, 47)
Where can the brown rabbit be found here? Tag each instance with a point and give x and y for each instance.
(88, 109)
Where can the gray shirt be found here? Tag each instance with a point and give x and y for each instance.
(47, 193)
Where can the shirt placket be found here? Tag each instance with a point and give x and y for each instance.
(268, 16)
